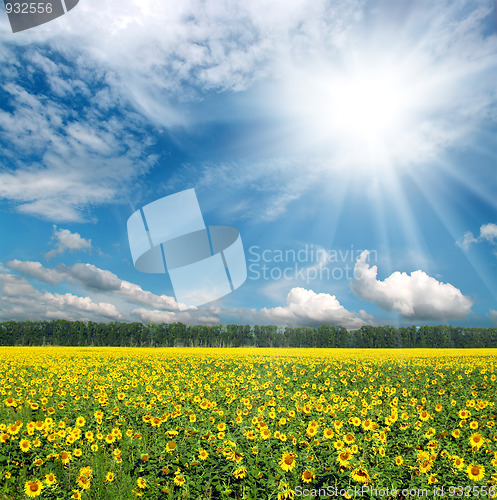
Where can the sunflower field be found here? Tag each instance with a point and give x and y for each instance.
(253, 424)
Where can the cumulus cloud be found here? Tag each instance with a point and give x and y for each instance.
(306, 308)
(64, 241)
(36, 270)
(20, 300)
(117, 299)
(488, 233)
(416, 296)
(91, 277)
(94, 279)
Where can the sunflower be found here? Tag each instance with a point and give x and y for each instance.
(25, 445)
(240, 473)
(110, 438)
(399, 460)
(33, 488)
(425, 466)
(475, 472)
(286, 492)
(84, 482)
(141, 483)
(361, 475)
(50, 479)
(65, 457)
(355, 421)
(349, 438)
(367, 425)
(202, 454)
(458, 462)
(311, 431)
(80, 421)
(179, 479)
(476, 440)
(109, 477)
(171, 446)
(328, 433)
(344, 458)
(86, 471)
(221, 427)
(456, 433)
(307, 476)
(287, 461)
(265, 433)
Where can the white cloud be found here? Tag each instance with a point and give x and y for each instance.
(306, 308)
(493, 316)
(468, 240)
(488, 233)
(188, 317)
(62, 158)
(67, 241)
(36, 270)
(20, 300)
(416, 296)
(85, 141)
(91, 277)
(117, 299)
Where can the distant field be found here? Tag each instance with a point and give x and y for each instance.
(117, 423)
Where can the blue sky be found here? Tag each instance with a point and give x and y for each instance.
(353, 144)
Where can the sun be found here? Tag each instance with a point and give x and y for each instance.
(372, 110)
(368, 107)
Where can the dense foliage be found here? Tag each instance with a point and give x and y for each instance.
(79, 333)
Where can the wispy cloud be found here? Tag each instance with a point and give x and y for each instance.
(73, 149)
(488, 233)
(493, 316)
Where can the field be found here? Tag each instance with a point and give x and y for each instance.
(117, 423)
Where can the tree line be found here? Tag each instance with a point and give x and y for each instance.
(78, 333)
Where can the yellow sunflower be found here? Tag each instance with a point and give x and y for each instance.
(179, 480)
(287, 461)
(50, 479)
(476, 440)
(307, 476)
(361, 475)
(475, 472)
(240, 473)
(33, 488)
